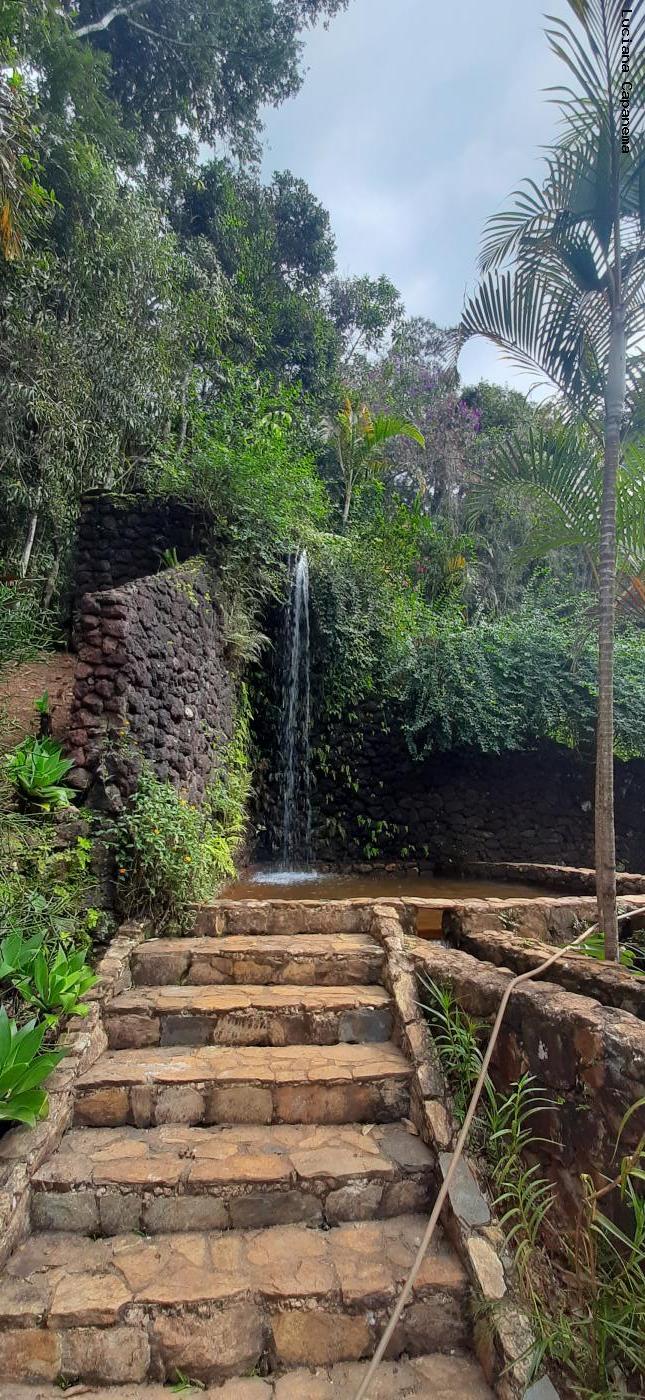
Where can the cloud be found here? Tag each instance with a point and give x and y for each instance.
(414, 123)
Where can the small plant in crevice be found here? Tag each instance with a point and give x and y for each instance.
(456, 1036)
(522, 1195)
(185, 1385)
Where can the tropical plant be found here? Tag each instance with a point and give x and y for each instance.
(563, 293)
(557, 470)
(594, 947)
(22, 1070)
(35, 768)
(57, 985)
(356, 435)
(17, 954)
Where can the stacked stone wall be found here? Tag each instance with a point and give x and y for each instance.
(121, 538)
(466, 806)
(152, 683)
(588, 1058)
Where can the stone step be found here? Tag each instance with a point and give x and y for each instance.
(247, 1015)
(315, 959)
(215, 1305)
(106, 1181)
(221, 1084)
(435, 1377)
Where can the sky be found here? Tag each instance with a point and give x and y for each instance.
(415, 121)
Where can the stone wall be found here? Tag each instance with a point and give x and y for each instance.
(589, 1059)
(467, 806)
(121, 538)
(152, 680)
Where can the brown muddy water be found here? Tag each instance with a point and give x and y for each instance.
(265, 882)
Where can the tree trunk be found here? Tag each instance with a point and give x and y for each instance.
(604, 821)
(348, 500)
(29, 542)
(52, 577)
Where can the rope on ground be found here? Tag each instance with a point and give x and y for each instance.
(404, 1295)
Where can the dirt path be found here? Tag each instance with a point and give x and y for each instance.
(21, 686)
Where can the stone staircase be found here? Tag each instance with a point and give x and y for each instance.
(241, 1194)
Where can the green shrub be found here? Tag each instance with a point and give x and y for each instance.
(513, 682)
(35, 768)
(168, 855)
(22, 1070)
(46, 892)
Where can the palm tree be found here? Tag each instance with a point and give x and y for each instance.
(562, 292)
(557, 472)
(357, 434)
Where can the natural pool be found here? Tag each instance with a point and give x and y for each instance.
(267, 882)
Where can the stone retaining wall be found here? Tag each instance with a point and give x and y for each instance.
(121, 538)
(152, 681)
(467, 806)
(589, 1058)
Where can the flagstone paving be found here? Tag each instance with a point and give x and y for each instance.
(241, 1192)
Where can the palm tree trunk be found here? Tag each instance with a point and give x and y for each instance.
(347, 503)
(605, 829)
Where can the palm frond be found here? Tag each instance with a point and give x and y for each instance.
(387, 425)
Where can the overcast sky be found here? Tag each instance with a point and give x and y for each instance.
(415, 121)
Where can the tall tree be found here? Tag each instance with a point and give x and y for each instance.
(180, 73)
(563, 292)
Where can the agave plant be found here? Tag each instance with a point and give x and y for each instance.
(57, 987)
(35, 768)
(22, 1071)
(17, 954)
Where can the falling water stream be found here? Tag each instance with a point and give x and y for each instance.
(296, 719)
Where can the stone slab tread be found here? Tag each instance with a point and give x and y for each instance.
(237, 1156)
(313, 1064)
(64, 1280)
(166, 1000)
(342, 1083)
(259, 958)
(434, 1377)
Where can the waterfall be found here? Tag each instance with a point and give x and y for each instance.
(296, 717)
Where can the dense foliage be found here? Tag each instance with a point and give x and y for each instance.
(173, 325)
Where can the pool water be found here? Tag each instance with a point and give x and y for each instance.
(266, 882)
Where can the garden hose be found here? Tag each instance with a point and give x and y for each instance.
(404, 1295)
